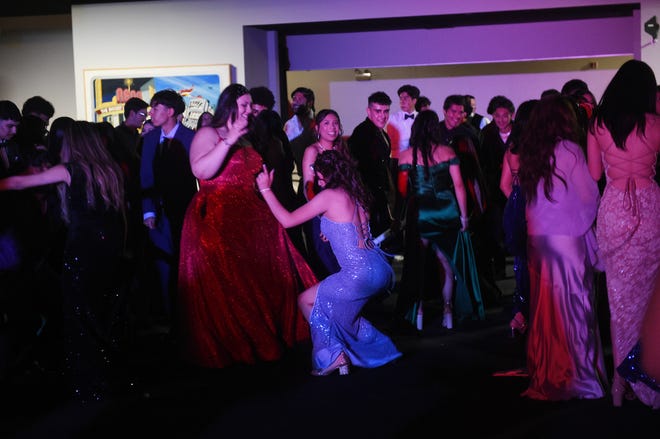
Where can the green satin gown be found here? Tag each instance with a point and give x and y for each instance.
(438, 220)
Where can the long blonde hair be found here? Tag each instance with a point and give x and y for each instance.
(83, 147)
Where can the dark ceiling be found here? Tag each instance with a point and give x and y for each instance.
(18, 8)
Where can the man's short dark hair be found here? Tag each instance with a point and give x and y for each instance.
(39, 105)
(134, 104)
(422, 101)
(169, 98)
(379, 97)
(500, 102)
(412, 91)
(263, 96)
(9, 111)
(454, 100)
(574, 88)
(307, 92)
(550, 92)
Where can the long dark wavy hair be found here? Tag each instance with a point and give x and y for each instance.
(83, 146)
(339, 143)
(628, 97)
(552, 120)
(226, 107)
(520, 122)
(340, 172)
(424, 135)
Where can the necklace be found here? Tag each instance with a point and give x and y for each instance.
(323, 149)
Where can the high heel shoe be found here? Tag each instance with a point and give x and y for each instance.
(342, 363)
(420, 317)
(518, 324)
(447, 319)
(618, 390)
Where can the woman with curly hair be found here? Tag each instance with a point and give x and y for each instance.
(624, 141)
(564, 354)
(340, 336)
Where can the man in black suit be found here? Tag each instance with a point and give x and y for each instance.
(465, 140)
(168, 185)
(370, 146)
(11, 161)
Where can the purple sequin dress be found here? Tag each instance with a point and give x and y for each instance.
(335, 322)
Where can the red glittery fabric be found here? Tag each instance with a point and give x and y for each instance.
(239, 274)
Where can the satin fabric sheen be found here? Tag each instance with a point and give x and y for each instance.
(239, 273)
(439, 222)
(564, 352)
(439, 217)
(335, 321)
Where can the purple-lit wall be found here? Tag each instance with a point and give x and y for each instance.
(459, 45)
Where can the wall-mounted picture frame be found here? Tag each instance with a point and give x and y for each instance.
(106, 90)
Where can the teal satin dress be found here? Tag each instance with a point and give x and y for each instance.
(438, 217)
(438, 220)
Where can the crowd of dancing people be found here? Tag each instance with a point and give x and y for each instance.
(108, 230)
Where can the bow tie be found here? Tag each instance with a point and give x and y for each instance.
(408, 116)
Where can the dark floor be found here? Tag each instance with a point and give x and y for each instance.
(445, 384)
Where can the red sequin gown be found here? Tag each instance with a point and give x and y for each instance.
(239, 274)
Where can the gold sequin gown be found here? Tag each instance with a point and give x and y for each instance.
(628, 233)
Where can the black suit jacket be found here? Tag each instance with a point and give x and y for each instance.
(370, 146)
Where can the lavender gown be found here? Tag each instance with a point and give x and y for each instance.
(564, 354)
(335, 321)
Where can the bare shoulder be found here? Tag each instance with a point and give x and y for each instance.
(311, 151)
(511, 158)
(653, 118)
(206, 135)
(653, 126)
(339, 205)
(443, 153)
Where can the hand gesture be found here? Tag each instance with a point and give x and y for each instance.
(464, 223)
(150, 223)
(265, 178)
(236, 129)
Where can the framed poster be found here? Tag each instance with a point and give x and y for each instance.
(106, 90)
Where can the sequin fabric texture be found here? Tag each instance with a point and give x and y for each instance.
(631, 369)
(631, 247)
(239, 273)
(92, 313)
(335, 321)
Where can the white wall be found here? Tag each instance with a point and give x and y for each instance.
(208, 32)
(349, 98)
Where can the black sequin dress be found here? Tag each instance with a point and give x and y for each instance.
(91, 290)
